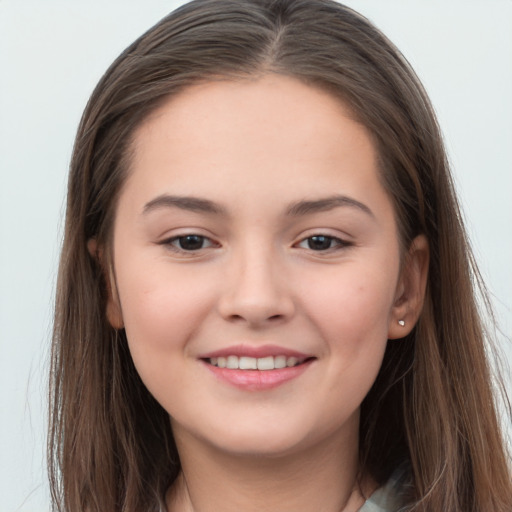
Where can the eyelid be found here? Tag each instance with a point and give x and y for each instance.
(342, 242)
(169, 243)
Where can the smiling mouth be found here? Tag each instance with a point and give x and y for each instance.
(256, 363)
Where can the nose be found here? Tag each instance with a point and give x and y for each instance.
(256, 290)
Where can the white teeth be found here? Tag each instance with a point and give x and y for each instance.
(266, 363)
(291, 361)
(247, 363)
(280, 362)
(253, 363)
(232, 362)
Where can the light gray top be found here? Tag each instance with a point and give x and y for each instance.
(386, 498)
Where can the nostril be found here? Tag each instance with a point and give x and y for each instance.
(249, 306)
(272, 318)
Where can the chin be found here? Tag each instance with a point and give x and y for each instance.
(261, 447)
(265, 439)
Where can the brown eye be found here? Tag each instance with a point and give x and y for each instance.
(189, 243)
(320, 242)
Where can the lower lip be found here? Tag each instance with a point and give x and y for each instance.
(258, 380)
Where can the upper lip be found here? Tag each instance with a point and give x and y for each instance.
(255, 351)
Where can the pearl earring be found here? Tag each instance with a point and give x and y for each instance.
(401, 322)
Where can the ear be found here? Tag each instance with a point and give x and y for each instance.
(113, 312)
(410, 292)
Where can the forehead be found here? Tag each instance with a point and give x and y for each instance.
(273, 133)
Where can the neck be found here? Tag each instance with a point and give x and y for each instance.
(322, 478)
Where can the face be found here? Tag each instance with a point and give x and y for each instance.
(257, 264)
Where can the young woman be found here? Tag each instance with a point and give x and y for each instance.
(266, 297)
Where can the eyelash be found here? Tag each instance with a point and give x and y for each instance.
(172, 243)
(333, 243)
(321, 238)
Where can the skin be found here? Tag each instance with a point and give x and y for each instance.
(253, 149)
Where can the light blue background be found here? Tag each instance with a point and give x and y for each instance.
(51, 55)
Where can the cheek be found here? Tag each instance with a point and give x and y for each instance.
(354, 324)
(352, 310)
(160, 311)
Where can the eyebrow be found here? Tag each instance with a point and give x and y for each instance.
(297, 209)
(329, 203)
(189, 203)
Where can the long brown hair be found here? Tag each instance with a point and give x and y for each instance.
(432, 407)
